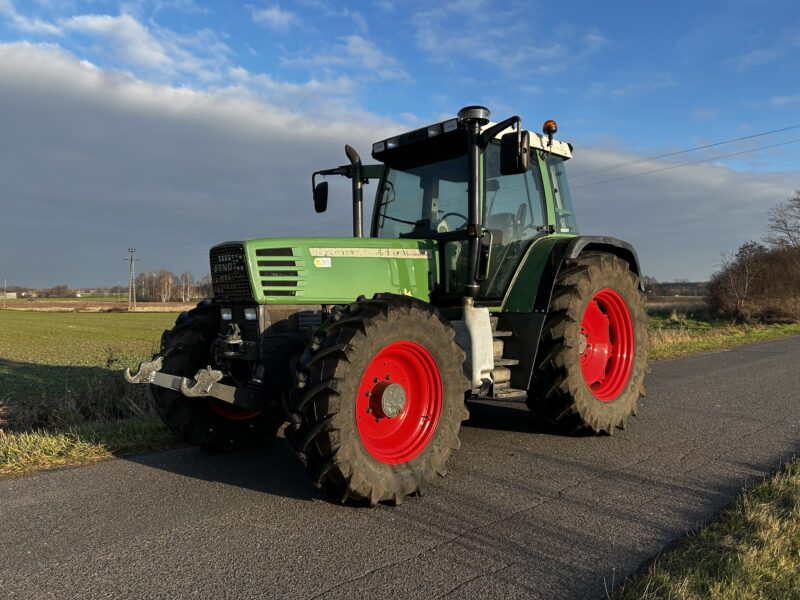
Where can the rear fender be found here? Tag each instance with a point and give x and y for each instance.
(525, 315)
(573, 248)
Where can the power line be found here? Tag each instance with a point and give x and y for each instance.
(677, 152)
(695, 162)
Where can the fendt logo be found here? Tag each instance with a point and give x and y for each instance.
(220, 268)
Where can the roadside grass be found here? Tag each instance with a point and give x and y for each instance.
(751, 551)
(674, 334)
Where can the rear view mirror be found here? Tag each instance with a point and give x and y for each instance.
(321, 197)
(514, 153)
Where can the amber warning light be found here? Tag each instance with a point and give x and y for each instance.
(549, 128)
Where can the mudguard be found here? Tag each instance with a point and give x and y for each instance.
(528, 299)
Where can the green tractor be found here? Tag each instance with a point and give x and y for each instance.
(472, 283)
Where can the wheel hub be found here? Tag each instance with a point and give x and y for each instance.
(387, 400)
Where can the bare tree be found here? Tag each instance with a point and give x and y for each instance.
(735, 283)
(165, 285)
(187, 286)
(204, 287)
(784, 223)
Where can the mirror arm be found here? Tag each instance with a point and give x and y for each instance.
(488, 135)
(344, 171)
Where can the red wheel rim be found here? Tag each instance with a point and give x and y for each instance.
(229, 411)
(414, 375)
(606, 344)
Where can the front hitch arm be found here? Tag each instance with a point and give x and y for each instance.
(205, 384)
(147, 371)
(201, 384)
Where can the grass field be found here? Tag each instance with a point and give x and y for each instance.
(62, 399)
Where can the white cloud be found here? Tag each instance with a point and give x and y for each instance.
(354, 53)
(130, 41)
(755, 58)
(445, 31)
(705, 113)
(780, 101)
(27, 24)
(275, 18)
(649, 83)
(113, 160)
(679, 220)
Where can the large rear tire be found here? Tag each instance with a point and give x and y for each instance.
(206, 422)
(379, 400)
(592, 355)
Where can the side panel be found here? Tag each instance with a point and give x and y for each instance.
(338, 270)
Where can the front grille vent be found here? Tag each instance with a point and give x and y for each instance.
(281, 273)
(229, 274)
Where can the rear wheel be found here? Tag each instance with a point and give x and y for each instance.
(592, 356)
(379, 400)
(205, 422)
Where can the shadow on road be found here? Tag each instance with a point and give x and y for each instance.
(276, 470)
(273, 469)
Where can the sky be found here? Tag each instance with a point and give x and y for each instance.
(172, 125)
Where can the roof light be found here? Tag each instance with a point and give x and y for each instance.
(434, 130)
(378, 147)
(549, 128)
(391, 143)
(450, 125)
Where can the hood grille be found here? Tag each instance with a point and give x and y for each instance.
(229, 274)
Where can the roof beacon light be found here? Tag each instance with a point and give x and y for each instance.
(549, 128)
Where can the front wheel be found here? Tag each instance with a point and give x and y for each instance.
(592, 355)
(206, 422)
(379, 400)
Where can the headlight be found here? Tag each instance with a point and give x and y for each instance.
(250, 314)
(226, 314)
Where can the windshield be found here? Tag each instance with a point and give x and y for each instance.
(423, 200)
(565, 216)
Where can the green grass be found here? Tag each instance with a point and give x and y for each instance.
(751, 551)
(39, 449)
(674, 335)
(62, 398)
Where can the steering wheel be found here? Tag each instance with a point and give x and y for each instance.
(454, 214)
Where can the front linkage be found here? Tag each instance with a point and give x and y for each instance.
(205, 383)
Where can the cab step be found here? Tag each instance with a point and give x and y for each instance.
(505, 362)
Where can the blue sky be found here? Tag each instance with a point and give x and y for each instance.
(624, 81)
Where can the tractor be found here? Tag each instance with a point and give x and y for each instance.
(471, 283)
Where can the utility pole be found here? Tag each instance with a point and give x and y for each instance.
(132, 280)
(5, 291)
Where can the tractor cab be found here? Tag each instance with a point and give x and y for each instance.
(427, 185)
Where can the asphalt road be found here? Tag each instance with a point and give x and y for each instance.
(522, 514)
